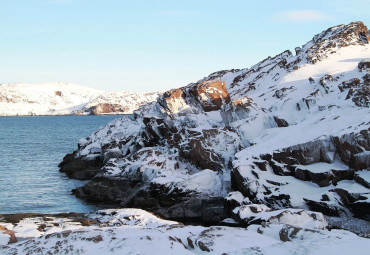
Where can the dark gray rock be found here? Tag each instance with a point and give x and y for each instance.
(81, 168)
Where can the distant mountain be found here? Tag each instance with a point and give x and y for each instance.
(117, 102)
(60, 98)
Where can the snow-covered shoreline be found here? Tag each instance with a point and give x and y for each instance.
(135, 231)
(279, 151)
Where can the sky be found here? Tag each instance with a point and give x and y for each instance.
(145, 46)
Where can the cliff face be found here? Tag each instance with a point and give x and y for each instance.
(291, 131)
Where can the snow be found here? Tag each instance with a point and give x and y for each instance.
(314, 112)
(293, 217)
(322, 167)
(206, 181)
(43, 99)
(62, 98)
(4, 238)
(306, 241)
(235, 195)
(134, 231)
(130, 217)
(364, 174)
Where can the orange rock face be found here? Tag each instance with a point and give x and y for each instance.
(106, 108)
(211, 94)
(13, 238)
(173, 99)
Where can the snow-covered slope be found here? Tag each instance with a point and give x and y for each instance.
(134, 231)
(43, 99)
(65, 98)
(118, 102)
(290, 132)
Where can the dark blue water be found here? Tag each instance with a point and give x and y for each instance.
(30, 150)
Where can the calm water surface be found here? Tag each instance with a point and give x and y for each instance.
(30, 150)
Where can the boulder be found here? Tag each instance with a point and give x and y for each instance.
(261, 214)
(211, 95)
(81, 168)
(174, 100)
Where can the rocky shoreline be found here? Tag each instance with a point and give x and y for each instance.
(280, 151)
(136, 231)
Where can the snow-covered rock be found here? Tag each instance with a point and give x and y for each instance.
(260, 213)
(134, 231)
(289, 132)
(62, 98)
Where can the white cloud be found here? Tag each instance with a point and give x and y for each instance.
(302, 16)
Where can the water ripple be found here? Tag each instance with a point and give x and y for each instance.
(30, 151)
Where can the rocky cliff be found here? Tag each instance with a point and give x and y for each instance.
(292, 131)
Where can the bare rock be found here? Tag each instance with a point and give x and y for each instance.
(173, 99)
(212, 95)
(352, 83)
(107, 108)
(326, 178)
(79, 168)
(281, 122)
(363, 65)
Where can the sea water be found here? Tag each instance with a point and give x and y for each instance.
(30, 150)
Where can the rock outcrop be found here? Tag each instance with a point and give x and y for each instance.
(290, 132)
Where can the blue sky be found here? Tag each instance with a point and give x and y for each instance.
(144, 45)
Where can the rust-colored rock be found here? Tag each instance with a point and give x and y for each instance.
(173, 99)
(212, 95)
(58, 93)
(13, 238)
(106, 108)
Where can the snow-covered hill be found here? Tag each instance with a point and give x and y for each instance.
(61, 98)
(118, 102)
